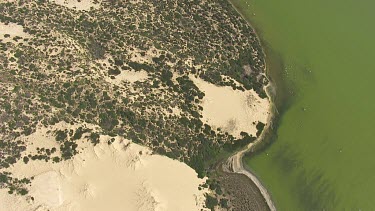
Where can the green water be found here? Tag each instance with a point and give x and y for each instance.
(324, 155)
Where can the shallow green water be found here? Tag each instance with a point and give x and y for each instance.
(324, 156)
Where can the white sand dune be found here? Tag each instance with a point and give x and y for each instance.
(120, 176)
(231, 110)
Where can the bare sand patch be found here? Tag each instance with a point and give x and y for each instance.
(11, 30)
(129, 76)
(120, 176)
(1, 1)
(78, 5)
(231, 110)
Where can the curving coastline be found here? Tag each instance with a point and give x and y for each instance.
(234, 163)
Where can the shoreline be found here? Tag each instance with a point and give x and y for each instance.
(234, 164)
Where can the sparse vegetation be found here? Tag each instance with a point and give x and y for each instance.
(65, 70)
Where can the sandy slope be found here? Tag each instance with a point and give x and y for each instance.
(233, 111)
(120, 176)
